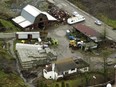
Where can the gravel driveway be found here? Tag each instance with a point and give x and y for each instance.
(63, 50)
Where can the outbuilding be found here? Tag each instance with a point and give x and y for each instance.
(32, 18)
(27, 35)
(88, 32)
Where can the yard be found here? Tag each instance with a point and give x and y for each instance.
(76, 80)
(7, 26)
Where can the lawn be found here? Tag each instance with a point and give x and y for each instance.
(8, 74)
(10, 80)
(108, 21)
(9, 26)
(77, 80)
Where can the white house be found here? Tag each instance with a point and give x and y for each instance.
(31, 16)
(61, 68)
(27, 35)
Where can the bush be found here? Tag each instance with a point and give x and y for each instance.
(67, 85)
(62, 84)
(57, 85)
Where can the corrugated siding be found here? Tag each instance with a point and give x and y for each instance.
(27, 16)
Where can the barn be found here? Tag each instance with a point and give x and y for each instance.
(33, 18)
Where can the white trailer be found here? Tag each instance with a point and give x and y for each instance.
(27, 35)
(76, 19)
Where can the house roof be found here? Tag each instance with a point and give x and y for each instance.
(65, 64)
(28, 16)
(81, 63)
(89, 32)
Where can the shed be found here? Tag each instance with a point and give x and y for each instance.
(27, 35)
(89, 32)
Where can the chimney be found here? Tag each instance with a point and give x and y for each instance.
(53, 66)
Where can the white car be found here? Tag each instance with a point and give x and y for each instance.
(75, 13)
(98, 22)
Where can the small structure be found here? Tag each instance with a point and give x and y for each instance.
(27, 35)
(64, 67)
(88, 32)
(32, 55)
(33, 18)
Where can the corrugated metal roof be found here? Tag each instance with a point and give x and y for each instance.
(32, 10)
(19, 19)
(25, 23)
(87, 30)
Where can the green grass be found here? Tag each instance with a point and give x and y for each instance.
(107, 20)
(72, 83)
(9, 26)
(10, 80)
(3, 51)
(80, 80)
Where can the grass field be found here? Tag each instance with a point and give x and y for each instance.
(9, 26)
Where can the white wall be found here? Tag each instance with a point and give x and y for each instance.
(49, 75)
(72, 71)
(35, 36)
(52, 74)
(85, 69)
(24, 35)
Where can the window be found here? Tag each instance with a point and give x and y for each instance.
(66, 73)
(72, 69)
(85, 69)
(45, 71)
(41, 19)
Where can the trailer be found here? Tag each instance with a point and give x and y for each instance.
(27, 35)
(76, 19)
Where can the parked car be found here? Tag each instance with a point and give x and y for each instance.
(75, 13)
(98, 22)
